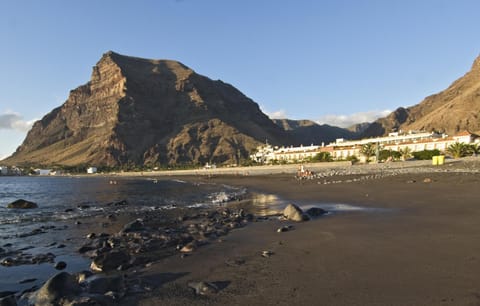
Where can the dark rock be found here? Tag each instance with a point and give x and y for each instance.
(8, 301)
(60, 265)
(316, 212)
(109, 261)
(294, 213)
(68, 210)
(203, 288)
(103, 285)
(86, 248)
(134, 226)
(83, 276)
(120, 203)
(284, 228)
(22, 204)
(59, 286)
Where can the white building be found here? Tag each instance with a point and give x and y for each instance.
(342, 149)
(42, 171)
(91, 170)
(3, 170)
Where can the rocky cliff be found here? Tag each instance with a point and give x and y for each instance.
(452, 110)
(307, 132)
(140, 111)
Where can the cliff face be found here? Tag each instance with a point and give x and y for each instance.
(140, 111)
(452, 110)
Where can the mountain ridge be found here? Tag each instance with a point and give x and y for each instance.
(141, 111)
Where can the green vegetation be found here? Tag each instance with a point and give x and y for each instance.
(369, 150)
(458, 150)
(425, 154)
(385, 155)
(474, 149)
(405, 153)
(321, 157)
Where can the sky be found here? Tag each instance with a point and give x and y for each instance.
(332, 61)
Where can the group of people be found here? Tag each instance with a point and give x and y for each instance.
(303, 173)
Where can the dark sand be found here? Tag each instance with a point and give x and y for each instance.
(422, 247)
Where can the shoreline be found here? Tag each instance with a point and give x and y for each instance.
(417, 223)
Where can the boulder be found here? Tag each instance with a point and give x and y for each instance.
(58, 287)
(134, 226)
(294, 213)
(22, 204)
(316, 212)
(109, 261)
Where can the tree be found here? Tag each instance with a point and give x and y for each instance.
(405, 153)
(322, 157)
(458, 149)
(474, 149)
(368, 150)
(389, 155)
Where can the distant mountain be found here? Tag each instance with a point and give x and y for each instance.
(452, 110)
(136, 111)
(307, 132)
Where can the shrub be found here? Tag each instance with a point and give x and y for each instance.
(425, 154)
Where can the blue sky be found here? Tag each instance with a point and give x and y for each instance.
(332, 61)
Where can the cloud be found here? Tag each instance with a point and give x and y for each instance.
(279, 114)
(351, 119)
(14, 121)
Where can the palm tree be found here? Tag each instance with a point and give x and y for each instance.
(458, 149)
(405, 153)
(474, 149)
(368, 150)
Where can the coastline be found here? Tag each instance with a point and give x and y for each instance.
(418, 245)
(403, 235)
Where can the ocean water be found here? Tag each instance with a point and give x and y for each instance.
(64, 200)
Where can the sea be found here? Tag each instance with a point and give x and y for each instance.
(68, 200)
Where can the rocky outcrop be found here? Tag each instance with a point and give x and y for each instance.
(136, 111)
(22, 204)
(452, 110)
(294, 213)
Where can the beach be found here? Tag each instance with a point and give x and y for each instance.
(409, 239)
(394, 234)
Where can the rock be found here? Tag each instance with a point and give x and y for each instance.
(427, 180)
(22, 204)
(83, 276)
(59, 286)
(60, 265)
(316, 212)
(120, 203)
(103, 285)
(189, 247)
(8, 301)
(267, 254)
(28, 280)
(203, 288)
(294, 213)
(285, 228)
(134, 226)
(109, 261)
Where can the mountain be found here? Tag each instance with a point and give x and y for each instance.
(452, 110)
(136, 111)
(307, 132)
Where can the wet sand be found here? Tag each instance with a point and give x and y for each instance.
(418, 245)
